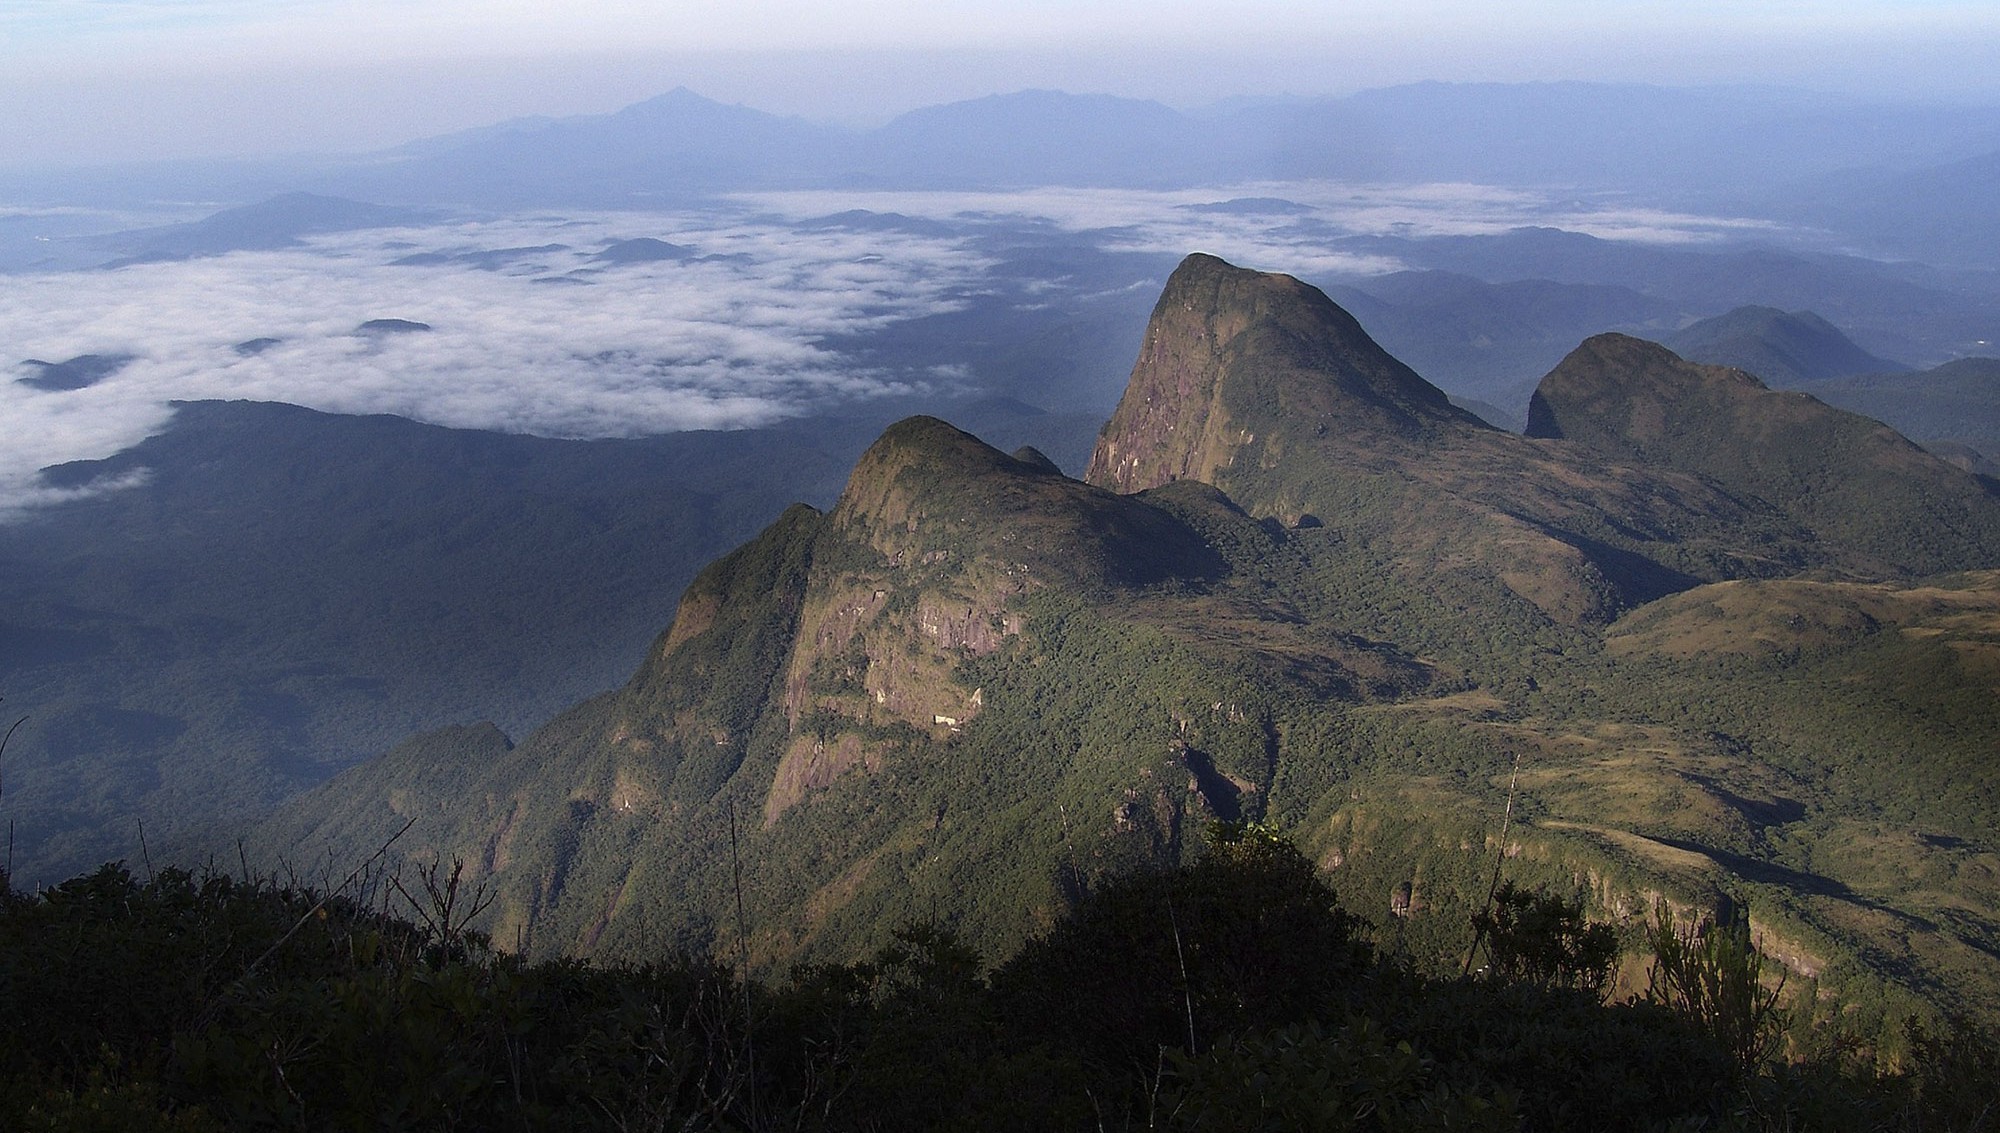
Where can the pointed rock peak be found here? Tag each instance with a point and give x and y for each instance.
(1231, 354)
(1614, 385)
(920, 457)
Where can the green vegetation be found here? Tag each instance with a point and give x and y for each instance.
(1232, 993)
(974, 690)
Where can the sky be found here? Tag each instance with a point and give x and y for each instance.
(102, 81)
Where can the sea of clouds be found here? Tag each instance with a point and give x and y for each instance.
(531, 332)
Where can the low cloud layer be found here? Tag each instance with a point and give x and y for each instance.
(547, 341)
(533, 331)
(1278, 226)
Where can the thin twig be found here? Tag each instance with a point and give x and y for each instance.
(9, 874)
(1187, 988)
(1499, 857)
(743, 954)
(3, 751)
(321, 903)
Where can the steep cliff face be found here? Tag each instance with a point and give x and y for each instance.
(1852, 481)
(919, 570)
(1262, 386)
(1230, 354)
(1321, 596)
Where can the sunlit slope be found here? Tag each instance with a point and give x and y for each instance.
(971, 683)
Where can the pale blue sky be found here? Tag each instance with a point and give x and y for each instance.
(87, 80)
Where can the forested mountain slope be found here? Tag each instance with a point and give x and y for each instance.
(1297, 587)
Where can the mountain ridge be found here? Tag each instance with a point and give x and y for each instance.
(974, 685)
(1851, 479)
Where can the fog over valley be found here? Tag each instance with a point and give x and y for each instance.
(744, 311)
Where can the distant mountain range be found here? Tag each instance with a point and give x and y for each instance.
(1696, 656)
(1699, 142)
(1889, 179)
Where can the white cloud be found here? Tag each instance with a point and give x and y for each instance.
(745, 336)
(1170, 221)
(642, 348)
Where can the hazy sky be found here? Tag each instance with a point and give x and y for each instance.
(107, 80)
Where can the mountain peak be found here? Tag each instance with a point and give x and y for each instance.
(1618, 375)
(1854, 481)
(917, 453)
(1230, 353)
(1784, 348)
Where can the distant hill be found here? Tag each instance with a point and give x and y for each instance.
(1782, 348)
(1854, 481)
(1941, 213)
(1297, 586)
(657, 151)
(1491, 341)
(279, 222)
(1890, 310)
(80, 372)
(1958, 401)
(1714, 146)
(1033, 137)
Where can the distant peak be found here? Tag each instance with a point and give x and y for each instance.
(1782, 347)
(1615, 375)
(1232, 355)
(391, 326)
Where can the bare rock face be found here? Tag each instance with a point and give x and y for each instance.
(935, 537)
(1261, 386)
(1232, 353)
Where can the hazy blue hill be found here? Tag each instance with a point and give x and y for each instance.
(1958, 401)
(278, 222)
(1691, 142)
(1893, 311)
(676, 144)
(1490, 341)
(643, 250)
(1702, 145)
(1941, 213)
(1784, 348)
(80, 372)
(1036, 137)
